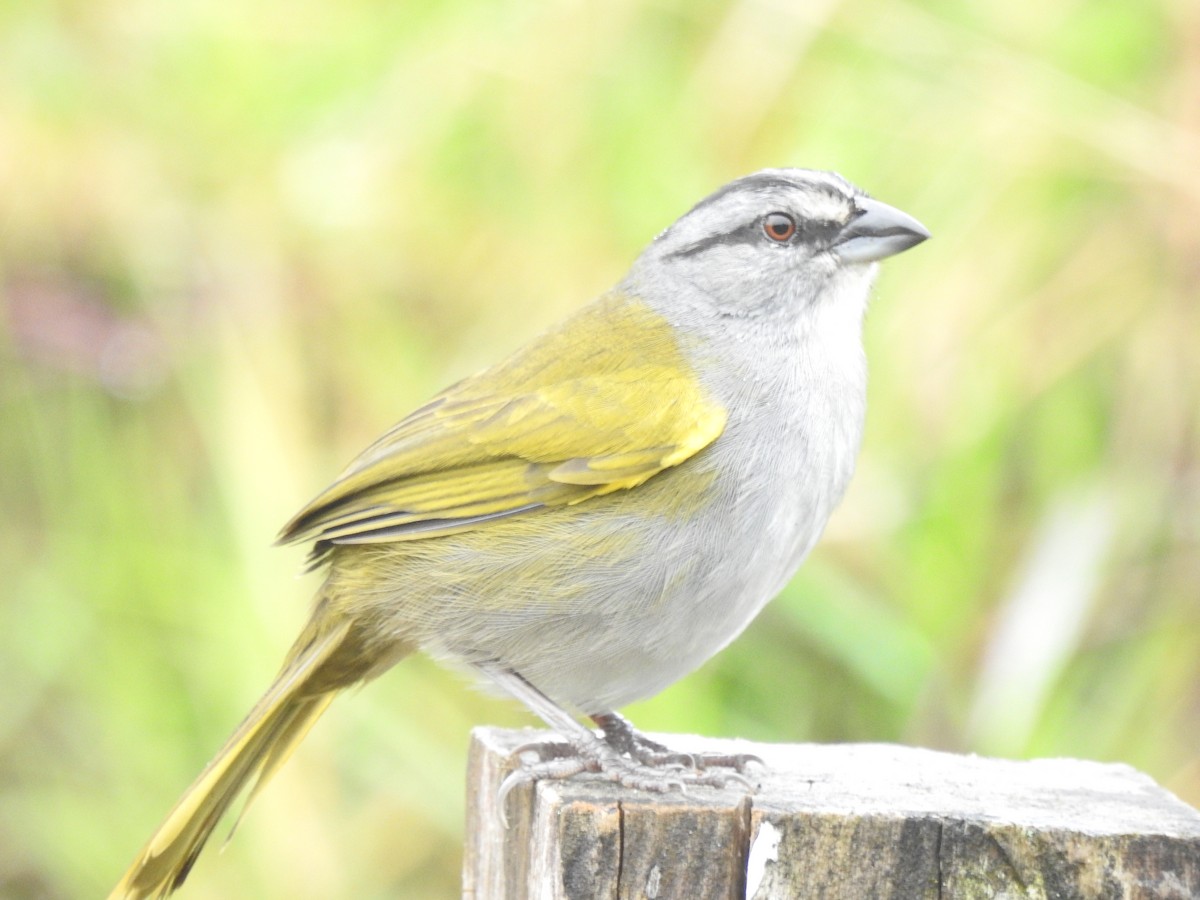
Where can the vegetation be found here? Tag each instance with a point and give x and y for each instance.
(240, 239)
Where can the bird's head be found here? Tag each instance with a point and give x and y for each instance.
(779, 237)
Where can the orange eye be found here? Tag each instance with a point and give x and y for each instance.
(779, 226)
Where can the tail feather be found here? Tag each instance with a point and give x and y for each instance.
(255, 751)
(289, 736)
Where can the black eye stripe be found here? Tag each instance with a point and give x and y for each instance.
(813, 232)
(818, 231)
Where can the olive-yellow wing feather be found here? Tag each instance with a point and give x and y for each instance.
(601, 404)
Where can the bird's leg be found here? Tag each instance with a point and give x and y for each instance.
(659, 771)
(620, 734)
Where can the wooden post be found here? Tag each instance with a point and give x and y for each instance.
(833, 821)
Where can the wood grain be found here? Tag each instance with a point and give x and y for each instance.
(833, 821)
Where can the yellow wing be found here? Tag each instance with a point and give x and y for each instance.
(600, 404)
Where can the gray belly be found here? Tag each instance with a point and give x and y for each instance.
(611, 601)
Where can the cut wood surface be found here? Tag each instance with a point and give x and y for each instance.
(832, 821)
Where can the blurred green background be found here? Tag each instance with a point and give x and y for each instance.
(238, 240)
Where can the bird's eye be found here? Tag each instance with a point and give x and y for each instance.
(779, 226)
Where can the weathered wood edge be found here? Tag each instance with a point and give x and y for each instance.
(834, 821)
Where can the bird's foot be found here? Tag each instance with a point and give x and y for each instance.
(620, 734)
(627, 758)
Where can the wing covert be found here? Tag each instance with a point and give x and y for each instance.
(601, 404)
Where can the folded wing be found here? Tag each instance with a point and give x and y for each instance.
(601, 404)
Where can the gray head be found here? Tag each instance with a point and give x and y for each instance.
(779, 237)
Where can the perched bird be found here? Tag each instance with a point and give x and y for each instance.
(594, 517)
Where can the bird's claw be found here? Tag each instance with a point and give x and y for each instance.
(550, 769)
(637, 763)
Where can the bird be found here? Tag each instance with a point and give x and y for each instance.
(589, 520)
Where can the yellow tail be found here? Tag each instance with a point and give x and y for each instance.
(261, 744)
